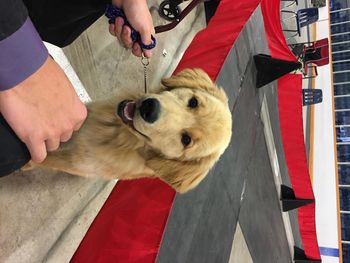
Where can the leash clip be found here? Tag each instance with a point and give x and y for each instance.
(145, 63)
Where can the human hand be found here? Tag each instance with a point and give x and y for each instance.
(140, 19)
(43, 110)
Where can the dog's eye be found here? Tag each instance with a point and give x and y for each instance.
(186, 139)
(193, 103)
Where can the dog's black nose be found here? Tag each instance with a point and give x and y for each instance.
(149, 110)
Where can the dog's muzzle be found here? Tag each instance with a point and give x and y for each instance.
(150, 110)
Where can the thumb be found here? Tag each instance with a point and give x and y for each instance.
(146, 39)
(37, 151)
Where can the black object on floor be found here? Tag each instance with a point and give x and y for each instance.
(300, 257)
(210, 9)
(270, 69)
(13, 152)
(289, 201)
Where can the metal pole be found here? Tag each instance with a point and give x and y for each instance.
(341, 51)
(341, 83)
(343, 143)
(342, 96)
(339, 10)
(339, 110)
(340, 23)
(339, 43)
(341, 71)
(339, 34)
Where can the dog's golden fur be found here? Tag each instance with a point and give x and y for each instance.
(106, 146)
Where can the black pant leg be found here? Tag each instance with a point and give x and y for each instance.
(13, 152)
(60, 22)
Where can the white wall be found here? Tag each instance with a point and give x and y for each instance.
(324, 168)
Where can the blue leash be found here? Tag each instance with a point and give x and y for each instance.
(112, 12)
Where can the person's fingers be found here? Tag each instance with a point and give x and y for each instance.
(146, 38)
(66, 136)
(52, 144)
(77, 126)
(136, 50)
(111, 29)
(126, 37)
(81, 117)
(147, 53)
(37, 150)
(34, 109)
(118, 27)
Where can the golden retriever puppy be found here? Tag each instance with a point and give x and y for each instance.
(176, 134)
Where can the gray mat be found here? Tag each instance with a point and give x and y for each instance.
(241, 186)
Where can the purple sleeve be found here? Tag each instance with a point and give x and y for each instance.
(21, 54)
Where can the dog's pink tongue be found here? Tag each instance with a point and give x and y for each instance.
(129, 110)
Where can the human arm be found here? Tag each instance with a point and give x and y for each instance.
(36, 98)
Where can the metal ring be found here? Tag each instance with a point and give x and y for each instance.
(144, 60)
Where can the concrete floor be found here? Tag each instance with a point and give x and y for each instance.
(44, 215)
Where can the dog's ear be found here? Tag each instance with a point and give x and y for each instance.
(182, 175)
(194, 79)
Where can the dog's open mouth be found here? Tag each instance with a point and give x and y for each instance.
(126, 111)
